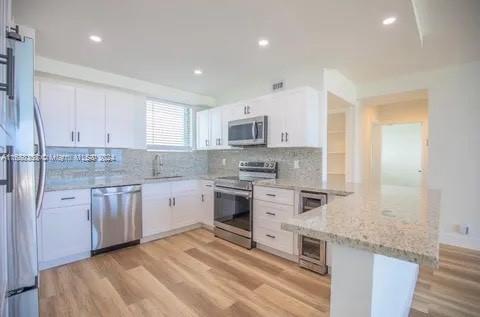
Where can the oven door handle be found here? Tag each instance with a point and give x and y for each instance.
(241, 193)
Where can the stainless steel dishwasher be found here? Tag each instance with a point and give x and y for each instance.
(116, 217)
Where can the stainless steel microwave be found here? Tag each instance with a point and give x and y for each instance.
(250, 131)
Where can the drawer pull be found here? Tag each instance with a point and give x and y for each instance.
(271, 213)
(271, 195)
(67, 198)
(208, 185)
(270, 236)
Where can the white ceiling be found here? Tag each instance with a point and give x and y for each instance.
(162, 41)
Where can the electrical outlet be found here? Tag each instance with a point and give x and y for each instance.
(296, 164)
(224, 161)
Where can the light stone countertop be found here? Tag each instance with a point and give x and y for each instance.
(395, 221)
(330, 187)
(109, 181)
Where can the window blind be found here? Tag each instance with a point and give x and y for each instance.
(168, 126)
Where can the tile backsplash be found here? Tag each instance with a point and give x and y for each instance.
(309, 161)
(139, 163)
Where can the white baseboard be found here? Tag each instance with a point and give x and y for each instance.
(459, 240)
(61, 261)
(171, 232)
(288, 256)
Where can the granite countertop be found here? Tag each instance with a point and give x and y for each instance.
(108, 181)
(332, 187)
(395, 221)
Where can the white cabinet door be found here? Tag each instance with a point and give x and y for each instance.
(257, 107)
(156, 210)
(90, 117)
(276, 121)
(203, 129)
(207, 202)
(216, 135)
(64, 231)
(120, 120)
(302, 119)
(57, 104)
(185, 210)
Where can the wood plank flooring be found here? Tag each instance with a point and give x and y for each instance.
(196, 274)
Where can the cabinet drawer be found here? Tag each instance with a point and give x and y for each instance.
(266, 211)
(276, 239)
(66, 198)
(275, 195)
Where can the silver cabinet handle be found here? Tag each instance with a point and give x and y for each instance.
(208, 185)
(244, 110)
(271, 213)
(67, 198)
(73, 136)
(286, 136)
(169, 202)
(173, 201)
(78, 136)
(203, 198)
(108, 137)
(271, 195)
(8, 86)
(88, 214)
(282, 136)
(270, 236)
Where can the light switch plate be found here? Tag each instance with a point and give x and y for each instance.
(224, 161)
(296, 164)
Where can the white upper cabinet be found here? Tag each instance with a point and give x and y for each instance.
(215, 124)
(203, 130)
(90, 117)
(120, 120)
(57, 104)
(294, 119)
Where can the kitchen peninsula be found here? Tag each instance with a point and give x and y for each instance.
(379, 235)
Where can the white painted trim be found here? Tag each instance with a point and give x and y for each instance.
(61, 261)
(56, 68)
(287, 256)
(170, 233)
(459, 240)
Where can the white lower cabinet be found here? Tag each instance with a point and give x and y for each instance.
(64, 228)
(206, 198)
(271, 206)
(170, 205)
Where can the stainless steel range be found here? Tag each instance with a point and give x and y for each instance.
(234, 202)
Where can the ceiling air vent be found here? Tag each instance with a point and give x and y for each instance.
(278, 86)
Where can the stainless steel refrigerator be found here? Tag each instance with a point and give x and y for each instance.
(20, 193)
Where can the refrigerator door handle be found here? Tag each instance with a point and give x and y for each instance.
(41, 152)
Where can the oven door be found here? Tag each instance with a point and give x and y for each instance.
(233, 211)
(251, 131)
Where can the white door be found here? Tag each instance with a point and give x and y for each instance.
(90, 117)
(156, 209)
(57, 104)
(401, 154)
(186, 209)
(276, 121)
(203, 130)
(216, 136)
(65, 231)
(257, 107)
(120, 120)
(296, 118)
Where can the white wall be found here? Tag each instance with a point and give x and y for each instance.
(454, 138)
(47, 66)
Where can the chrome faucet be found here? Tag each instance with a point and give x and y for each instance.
(156, 164)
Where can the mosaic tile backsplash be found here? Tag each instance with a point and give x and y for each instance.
(139, 163)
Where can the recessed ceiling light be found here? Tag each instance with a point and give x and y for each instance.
(389, 20)
(95, 38)
(263, 42)
(198, 71)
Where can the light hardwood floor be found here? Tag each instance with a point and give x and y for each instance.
(195, 274)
